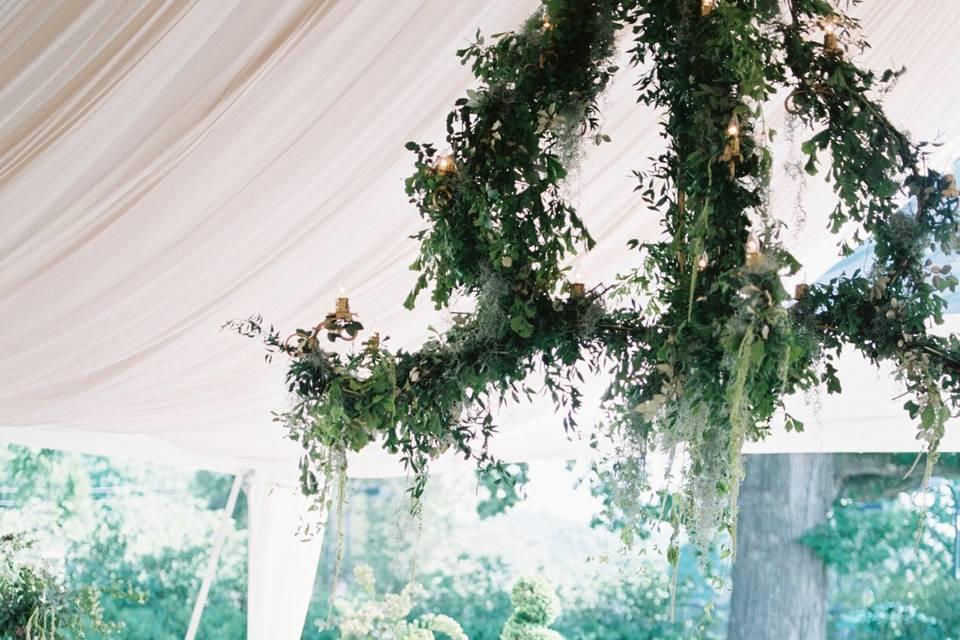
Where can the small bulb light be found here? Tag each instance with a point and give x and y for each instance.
(702, 261)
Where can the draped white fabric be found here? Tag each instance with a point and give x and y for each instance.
(280, 564)
(168, 165)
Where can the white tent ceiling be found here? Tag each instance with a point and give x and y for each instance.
(168, 165)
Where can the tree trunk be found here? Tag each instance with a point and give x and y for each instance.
(779, 585)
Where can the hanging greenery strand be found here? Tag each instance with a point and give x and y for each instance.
(705, 341)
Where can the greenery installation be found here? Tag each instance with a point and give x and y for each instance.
(702, 341)
(36, 605)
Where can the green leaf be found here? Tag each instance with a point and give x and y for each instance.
(521, 326)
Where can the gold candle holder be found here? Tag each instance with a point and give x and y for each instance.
(343, 309)
(830, 43)
(951, 190)
(578, 289)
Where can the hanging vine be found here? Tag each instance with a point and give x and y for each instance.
(704, 340)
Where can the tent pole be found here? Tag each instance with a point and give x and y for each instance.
(211, 569)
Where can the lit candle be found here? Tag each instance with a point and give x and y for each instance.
(446, 164)
(830, 24)
(733, 127)
(831, 44)
(577, 288)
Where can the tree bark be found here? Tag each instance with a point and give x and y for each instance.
(779, 585)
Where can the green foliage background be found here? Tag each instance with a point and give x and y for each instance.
(476, 541)
(107, 524)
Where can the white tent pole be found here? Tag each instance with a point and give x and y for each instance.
(211, 570)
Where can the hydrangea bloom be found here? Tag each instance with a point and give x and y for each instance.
(366, 617)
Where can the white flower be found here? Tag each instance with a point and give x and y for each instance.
(444, 624)
(367, 618)
(365, 579)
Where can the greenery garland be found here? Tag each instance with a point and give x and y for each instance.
(706, 341)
